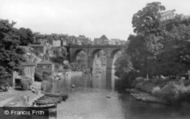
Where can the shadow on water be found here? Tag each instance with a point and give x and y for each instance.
(134, 109)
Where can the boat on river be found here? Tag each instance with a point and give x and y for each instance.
(50, 98)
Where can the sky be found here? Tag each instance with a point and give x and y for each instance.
(91, 18)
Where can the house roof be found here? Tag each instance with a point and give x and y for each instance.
(29, 63)
(37, 45)
(45, 62)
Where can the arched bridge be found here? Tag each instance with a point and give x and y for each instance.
(91, 50)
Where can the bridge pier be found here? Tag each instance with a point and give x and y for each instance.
(108, 78)
(109, 72)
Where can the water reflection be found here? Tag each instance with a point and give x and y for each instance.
(134, 109)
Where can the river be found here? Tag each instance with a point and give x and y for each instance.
(103, 104)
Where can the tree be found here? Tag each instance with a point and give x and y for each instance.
(81, 62)
(38, 37)
(147, 20)
(26, 36)
(142, 52)
(10, 54)
(158, 47)
(175, 56)
(60, 54)
(123, 65)
(163, 45)
(145, 45)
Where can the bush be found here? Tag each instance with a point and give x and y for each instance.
(159, 82)
(26, 83)
(173, 91)
(38, 77)
(170, 92)
(46, 86)
(138, 82)
(4, 87)
(186, 82)
(155, 90)
(148, 85)
(145, 86)
(184, 94)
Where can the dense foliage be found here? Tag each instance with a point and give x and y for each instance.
(147, 20)
(10, 54)
(25, 83)
(26, 36)
(159, 47)
(59, 55)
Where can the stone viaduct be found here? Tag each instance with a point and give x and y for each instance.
(91, 50)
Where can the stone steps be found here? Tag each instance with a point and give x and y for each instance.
(31, 102)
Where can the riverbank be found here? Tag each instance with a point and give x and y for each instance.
(13, 95)
(143, 96)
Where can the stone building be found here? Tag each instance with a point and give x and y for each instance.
(41, 49)
(64, 43)
(45, 66)
(29, 71)
(57, 43)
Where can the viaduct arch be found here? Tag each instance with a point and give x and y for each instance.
(91, 50)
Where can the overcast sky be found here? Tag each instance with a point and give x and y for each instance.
(91, 18)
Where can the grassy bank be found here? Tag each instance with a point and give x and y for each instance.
(172, 91)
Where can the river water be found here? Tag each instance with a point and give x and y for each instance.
(103, 104)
